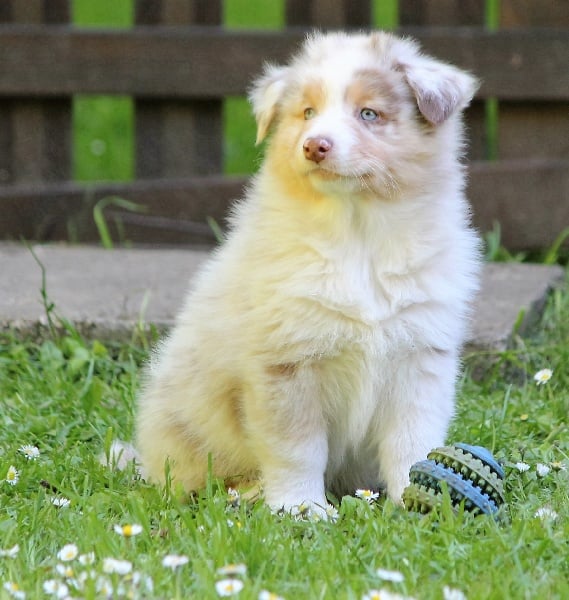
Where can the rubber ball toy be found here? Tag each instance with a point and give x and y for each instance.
(472, 475)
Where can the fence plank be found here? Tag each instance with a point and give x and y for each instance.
(528, 198)
(170, 62)
(545, 13)
(35, 143)
(328, 13)
(441, 12)
(176, 138)
(429, 13)
(533, 129)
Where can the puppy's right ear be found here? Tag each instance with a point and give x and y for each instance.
(265, 95)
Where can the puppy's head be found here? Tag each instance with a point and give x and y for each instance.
(365, 113)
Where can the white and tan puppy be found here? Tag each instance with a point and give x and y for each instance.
(319, 347)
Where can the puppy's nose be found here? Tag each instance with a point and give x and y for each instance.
(316, 149)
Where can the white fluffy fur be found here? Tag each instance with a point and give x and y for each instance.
(319, 347)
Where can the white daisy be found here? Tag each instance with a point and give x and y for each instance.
(128, 530)
(228, 587)
(104, 587)
(52, 587)
(233, 497)
(174, 561)
(29, 451)
(545, 514)
(543, 376)
(542, 470)
(231, 570)
(12, 476)
(384, 595)
(368, 495)
(265, 595)
(394, 576)
(10, 552)
(453, 594)
(14, 590)
(522, 467)
(332, 513)
(65, 571)
(87, 559)
(68, 552)
(373, 595)
(113, 565)
(61, 502)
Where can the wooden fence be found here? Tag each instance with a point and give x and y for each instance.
(178, 64)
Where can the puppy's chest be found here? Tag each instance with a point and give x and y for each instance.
(358, 287)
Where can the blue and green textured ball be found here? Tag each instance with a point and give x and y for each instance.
(472, 475)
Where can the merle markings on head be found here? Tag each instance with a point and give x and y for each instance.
(439, 89)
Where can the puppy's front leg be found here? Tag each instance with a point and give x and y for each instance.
(416, 415)
(288, 434)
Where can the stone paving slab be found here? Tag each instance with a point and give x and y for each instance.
(107, 293)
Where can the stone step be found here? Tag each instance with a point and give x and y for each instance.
(107, 293)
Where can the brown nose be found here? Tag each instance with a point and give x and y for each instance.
(316, 149)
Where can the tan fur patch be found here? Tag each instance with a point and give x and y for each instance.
(374, 89)
(284, 370)
(313, 94)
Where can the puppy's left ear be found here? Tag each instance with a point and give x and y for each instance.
(265, 95)
(440, 89)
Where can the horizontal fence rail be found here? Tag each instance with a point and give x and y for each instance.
(206, 62)
(178, 66)
(176, 211)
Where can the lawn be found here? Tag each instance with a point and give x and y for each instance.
(63, 515)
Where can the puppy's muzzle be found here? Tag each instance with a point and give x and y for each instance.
(316, 149)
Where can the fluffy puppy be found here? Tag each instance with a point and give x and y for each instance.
(319, 346)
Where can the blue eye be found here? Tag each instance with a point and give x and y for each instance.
(367, 114)
(309, 113)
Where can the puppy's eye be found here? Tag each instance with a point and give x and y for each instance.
(309, 113)
(368, 114)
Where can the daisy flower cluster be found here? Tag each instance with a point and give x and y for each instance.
(108, 578)
(82, 573)
(396, 577)
(12, 474)
(12, 588)
(386, 576)
(545, 513)
(231, 581)
(541, 469)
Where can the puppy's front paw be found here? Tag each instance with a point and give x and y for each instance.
(305, 505)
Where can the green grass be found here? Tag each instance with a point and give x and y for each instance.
(69, 397)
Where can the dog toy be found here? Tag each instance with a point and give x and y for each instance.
(472, 475)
